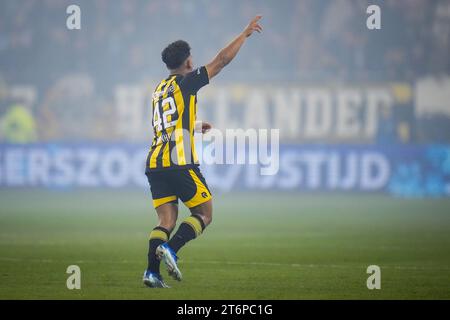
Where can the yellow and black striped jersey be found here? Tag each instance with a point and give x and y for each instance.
(174, 104)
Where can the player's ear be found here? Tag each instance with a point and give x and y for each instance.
(189, 64)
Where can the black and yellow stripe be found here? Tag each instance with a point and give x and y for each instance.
(195, 223)
(159, 233)
(202, 193)
(173, 147)
(161, 201)
(158, 149)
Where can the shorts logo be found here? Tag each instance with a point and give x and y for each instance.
(204, 195)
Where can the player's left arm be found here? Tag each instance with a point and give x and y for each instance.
(202, 126)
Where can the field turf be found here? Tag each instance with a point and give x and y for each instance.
(260, 246)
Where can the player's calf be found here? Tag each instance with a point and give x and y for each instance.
(204, 211)
(158, 236)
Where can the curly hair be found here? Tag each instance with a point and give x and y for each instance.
(175, 54)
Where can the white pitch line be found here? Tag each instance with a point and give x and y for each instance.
(298, 265)
(265, 264)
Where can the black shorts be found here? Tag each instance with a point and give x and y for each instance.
(189, 185)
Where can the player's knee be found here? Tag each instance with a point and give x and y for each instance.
(204, 211)
(207, 219)
(167, 222)
(168, 225)
(167, 216)
(206, 214)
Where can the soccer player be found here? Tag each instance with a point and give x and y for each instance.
(172, 165)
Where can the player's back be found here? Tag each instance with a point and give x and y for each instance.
(174, 112)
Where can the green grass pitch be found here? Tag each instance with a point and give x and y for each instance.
(260, 246)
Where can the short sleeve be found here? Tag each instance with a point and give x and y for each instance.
(195, 80)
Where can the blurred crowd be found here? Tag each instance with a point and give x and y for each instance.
(304, 41)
